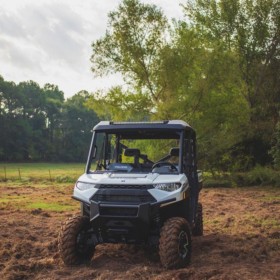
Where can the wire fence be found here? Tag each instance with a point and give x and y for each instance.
(67, 173)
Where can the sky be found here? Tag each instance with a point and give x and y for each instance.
(49, 41)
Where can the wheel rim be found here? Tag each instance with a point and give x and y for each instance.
(183, 244)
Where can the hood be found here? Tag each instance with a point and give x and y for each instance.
(126, 178)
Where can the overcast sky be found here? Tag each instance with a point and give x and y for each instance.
(49, 41)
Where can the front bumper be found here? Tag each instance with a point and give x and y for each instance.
(123, 222)
(124, 211)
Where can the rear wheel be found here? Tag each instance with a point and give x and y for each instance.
(75, 244)
(175, 243)
(198, 228)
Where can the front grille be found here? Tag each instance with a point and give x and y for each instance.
(119, 212)
(125, 187)
(133, 194)
(139, 198)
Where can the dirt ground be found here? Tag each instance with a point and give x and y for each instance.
(241, 240)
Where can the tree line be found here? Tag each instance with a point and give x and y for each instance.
(218, 69)
(38, 124)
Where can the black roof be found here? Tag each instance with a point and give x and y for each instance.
(171, 125)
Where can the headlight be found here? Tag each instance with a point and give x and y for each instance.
(84, 186)
(169, 187)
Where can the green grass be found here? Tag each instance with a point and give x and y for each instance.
(45, 186)
(47, 197)
(57, 207)
(12, 198)
(21, 202)
(271, 198)
(57, 172)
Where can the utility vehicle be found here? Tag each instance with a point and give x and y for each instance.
(140, 186)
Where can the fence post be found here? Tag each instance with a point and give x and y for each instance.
(19, 175)
(50, 174)
(5, 172)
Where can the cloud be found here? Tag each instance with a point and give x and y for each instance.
(38, 36)
(9, 24)
(17, 54)
(56, 30)
(49, 41)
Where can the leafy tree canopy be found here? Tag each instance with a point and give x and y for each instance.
(218, 70)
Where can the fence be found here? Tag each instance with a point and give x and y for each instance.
(41, 171)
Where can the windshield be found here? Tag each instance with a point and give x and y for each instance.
(139, 152)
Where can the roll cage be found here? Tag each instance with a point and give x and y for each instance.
(178, 130)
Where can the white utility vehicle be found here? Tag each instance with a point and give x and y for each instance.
(140, 186)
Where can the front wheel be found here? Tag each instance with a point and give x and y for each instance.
(74, 241)
(175, 243)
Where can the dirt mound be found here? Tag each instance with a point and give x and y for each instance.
(241, 241)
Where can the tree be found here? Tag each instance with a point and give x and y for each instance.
(77, 122)
(32, 114)
(120, 105)
(54, 99)
(37, 124)
(131, 46)
(275, 150)
(14, 130)
(202, 87)
(183, 78)
(251, 30)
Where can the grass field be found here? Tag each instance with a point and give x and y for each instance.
(57, 172)
(43, 185)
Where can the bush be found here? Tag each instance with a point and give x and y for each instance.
(275, 150)
(260, 175)
(65, 179)
(217, 183)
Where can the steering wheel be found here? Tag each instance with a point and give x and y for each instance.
(164, 163)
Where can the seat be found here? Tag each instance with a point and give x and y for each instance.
(131, 152)
(174, 152)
